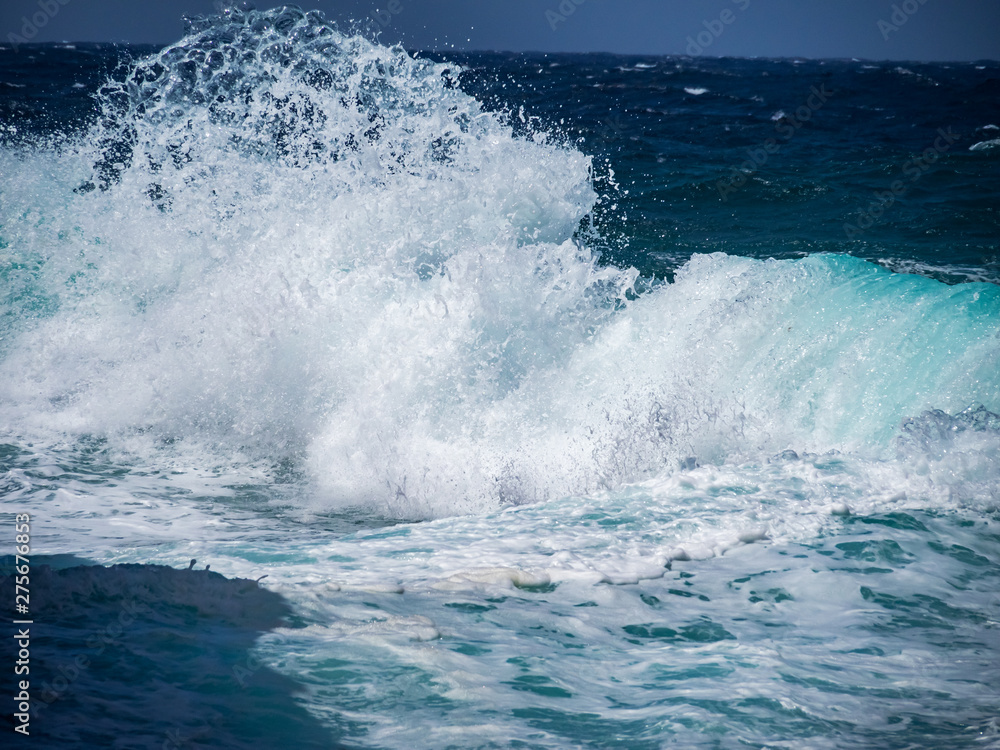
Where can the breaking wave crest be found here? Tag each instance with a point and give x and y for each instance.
(281, 243)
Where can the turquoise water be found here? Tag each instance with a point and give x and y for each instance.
(500, 438)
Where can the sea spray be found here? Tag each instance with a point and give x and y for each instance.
(283, 245)
(277, 226)
(756, 506)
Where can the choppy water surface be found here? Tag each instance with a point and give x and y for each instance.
(553, 418)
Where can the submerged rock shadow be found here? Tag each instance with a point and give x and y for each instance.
(148, 656)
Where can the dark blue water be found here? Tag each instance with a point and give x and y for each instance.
(684, 156)
(695, 172)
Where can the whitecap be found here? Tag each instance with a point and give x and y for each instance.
(985, 145)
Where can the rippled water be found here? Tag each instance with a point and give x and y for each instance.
(551, 417)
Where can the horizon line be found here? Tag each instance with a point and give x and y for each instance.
(531, 52)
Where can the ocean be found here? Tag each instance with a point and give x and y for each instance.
(513, 400)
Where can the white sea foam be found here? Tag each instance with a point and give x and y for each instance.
(282, 244)
(985, 145)
(291, 273)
